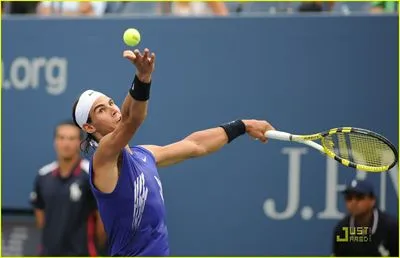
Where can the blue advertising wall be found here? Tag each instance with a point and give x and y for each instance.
(302, 74)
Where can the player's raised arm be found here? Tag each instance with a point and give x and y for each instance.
(205, 142)
(111, 127)
(134, 108)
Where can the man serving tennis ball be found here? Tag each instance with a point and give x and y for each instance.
(124, 179)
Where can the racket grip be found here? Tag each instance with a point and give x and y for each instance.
(278, 135)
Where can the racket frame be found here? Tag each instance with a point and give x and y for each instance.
(309, 140)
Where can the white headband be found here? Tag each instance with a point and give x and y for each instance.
(84, 105)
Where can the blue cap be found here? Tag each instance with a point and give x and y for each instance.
(358, 186)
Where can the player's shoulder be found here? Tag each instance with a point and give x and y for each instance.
(47, 169)
(148, 150)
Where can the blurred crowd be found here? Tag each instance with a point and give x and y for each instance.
(191, 8)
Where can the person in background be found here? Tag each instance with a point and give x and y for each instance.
(384, 7)
(316, 6)
(375, 233)
(19, 7)
(195, 8)
(64, 205)
(73, 8)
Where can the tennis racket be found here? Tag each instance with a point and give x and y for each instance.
(353, 147)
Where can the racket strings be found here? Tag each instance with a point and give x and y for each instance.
(343, 149)
(360, 148)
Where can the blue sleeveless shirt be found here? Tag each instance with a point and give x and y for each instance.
(134, 213)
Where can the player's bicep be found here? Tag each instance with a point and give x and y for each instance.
(173, 153)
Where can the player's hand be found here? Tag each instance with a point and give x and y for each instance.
(144, 63)
(257, 129)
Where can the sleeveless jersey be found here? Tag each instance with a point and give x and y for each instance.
(134, 213)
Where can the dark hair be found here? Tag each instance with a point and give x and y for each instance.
(71, 123)
(85, 144)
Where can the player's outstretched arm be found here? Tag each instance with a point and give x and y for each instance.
(133, 110)
(205, 142)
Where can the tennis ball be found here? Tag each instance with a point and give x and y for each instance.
(131, 37)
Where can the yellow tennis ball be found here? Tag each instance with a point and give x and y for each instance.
(131, 37)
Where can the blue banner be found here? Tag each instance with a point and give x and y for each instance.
(302, 74)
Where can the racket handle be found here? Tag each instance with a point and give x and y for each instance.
(278, 135)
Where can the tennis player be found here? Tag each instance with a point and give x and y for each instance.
(124, 179)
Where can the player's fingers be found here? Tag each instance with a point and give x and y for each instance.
(129, 55)
(269, 129)
(269, 126)
(263, 138)
(146, 53)
(152, 58)
(127, 52)
(137, 53)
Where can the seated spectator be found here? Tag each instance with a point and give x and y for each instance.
(190, 8)
(20, 7)
(316, 6)
(384, 7)
(84, 8)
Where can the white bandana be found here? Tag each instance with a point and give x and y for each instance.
(84, 105)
